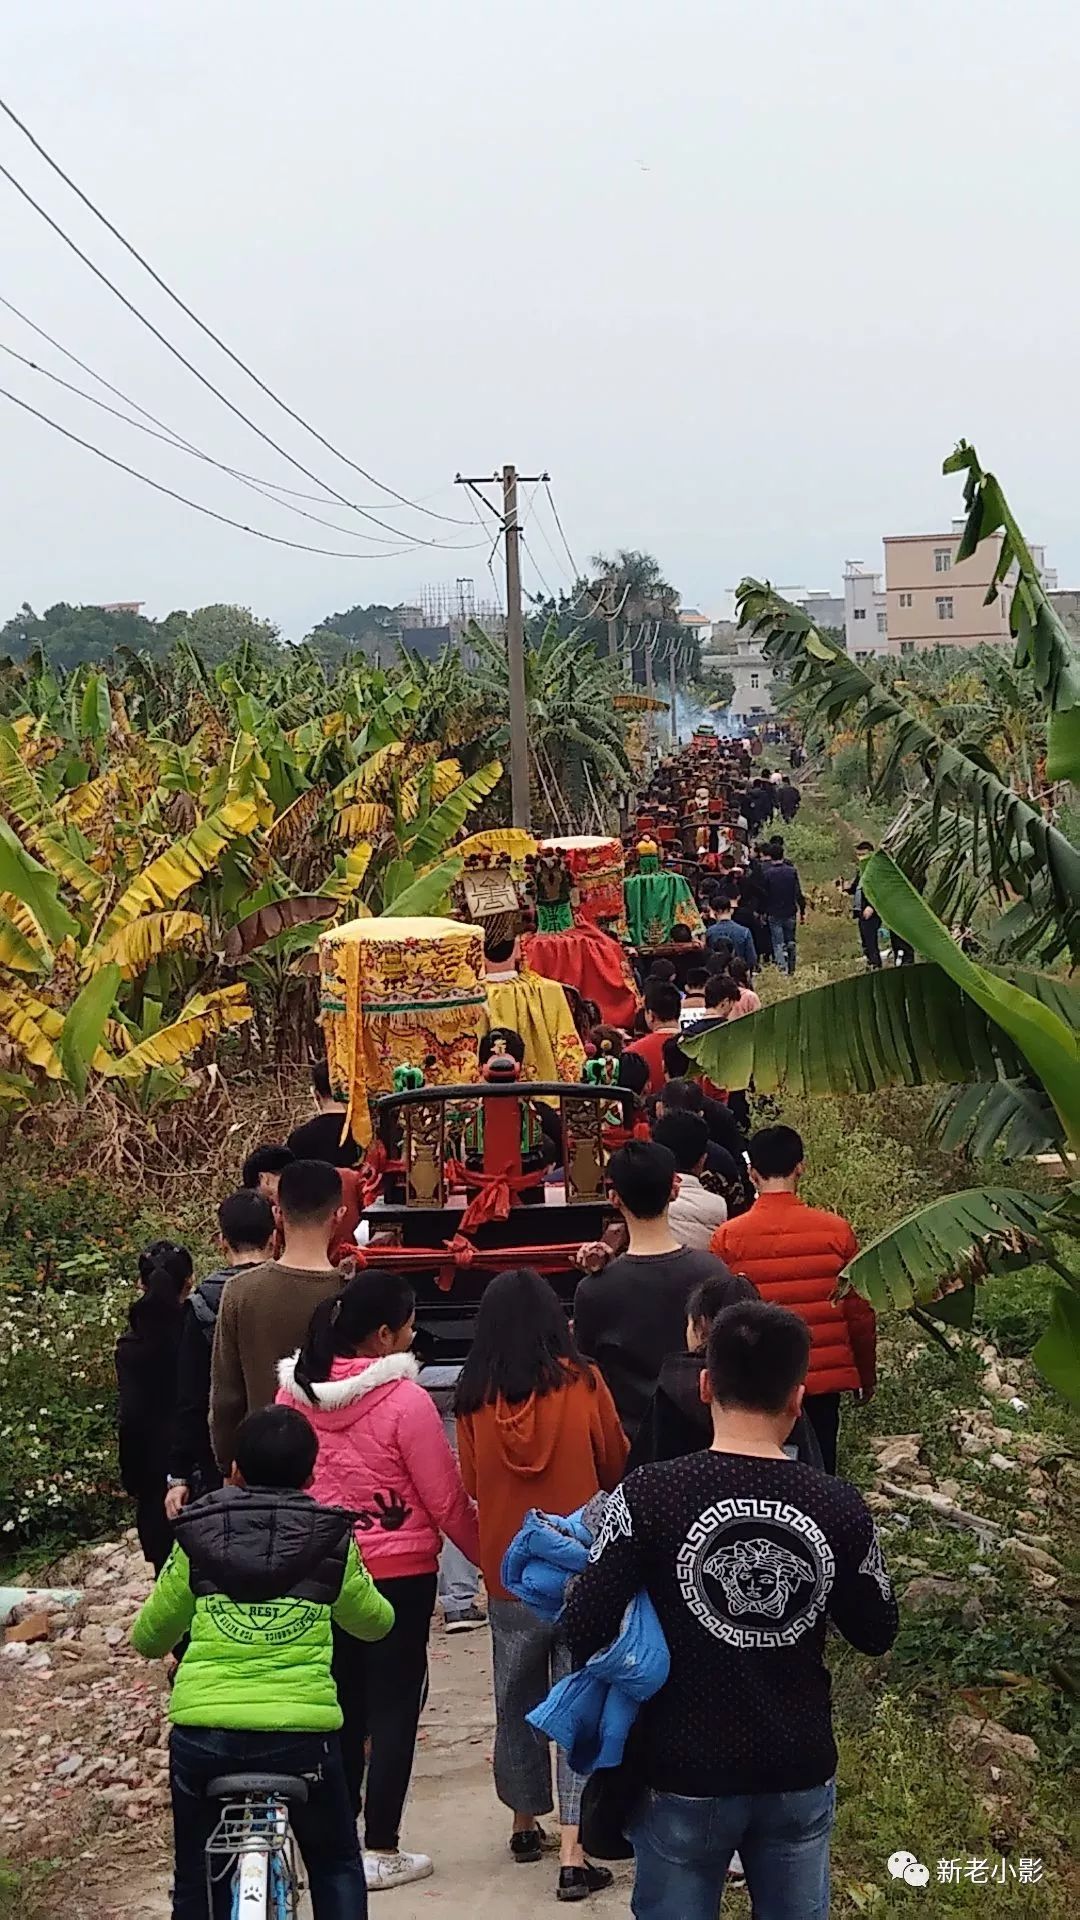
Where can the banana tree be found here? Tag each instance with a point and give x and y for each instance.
(400, 814)
(964, 821)
(67, 970)
(944, 1020)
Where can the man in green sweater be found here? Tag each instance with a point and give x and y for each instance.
(258, 1578)
(265, 1311)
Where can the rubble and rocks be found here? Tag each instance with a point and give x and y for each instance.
(68, 1668)
(928, 1590)
(985, 1741)
(983, 1446)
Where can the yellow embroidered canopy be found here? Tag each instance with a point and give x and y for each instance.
(400, 993)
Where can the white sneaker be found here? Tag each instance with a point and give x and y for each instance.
(383, 1870)
(735, 1872)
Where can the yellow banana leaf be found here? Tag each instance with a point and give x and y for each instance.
(342, 886)
(19, 914)
(26, 1022)
(367, 816)
(88, 884)
(367, 776)
(177, 870)
(512, 842)
(17, 951)
(86, 802)
(291, 827)
(19, 790)
(134, 947)
(205, 1015)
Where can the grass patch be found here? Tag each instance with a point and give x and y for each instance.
(25, 1889)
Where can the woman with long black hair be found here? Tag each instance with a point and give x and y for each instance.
(537, 1427)
(146, 1357)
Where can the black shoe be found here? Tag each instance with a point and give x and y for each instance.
(576, 1883)
(526, 1847)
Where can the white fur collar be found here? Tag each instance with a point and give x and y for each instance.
(331, 1394)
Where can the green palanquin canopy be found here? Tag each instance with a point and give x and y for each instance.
(656, 902)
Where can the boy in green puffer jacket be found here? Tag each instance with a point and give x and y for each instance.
(257, 1578)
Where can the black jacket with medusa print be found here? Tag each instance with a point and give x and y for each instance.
(745, 1559)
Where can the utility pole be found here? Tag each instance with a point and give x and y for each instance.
(674, 715)
(520, 806)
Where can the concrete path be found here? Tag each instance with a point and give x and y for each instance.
(452, 1814)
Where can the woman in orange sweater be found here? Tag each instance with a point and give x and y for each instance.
(537, 1427)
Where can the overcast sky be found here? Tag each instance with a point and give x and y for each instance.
(737, 274)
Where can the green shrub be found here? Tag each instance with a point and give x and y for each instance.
(68, 1269)
(58, 1456)
(814, 844)
(847, 770)
(1012, 1309)
(74, 1234)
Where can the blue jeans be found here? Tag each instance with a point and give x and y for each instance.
(682, 1849)
(783, 944)
(325, 1828)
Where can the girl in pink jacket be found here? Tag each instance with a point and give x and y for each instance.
(382, 1454)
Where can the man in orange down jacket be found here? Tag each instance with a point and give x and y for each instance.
(794, 1255)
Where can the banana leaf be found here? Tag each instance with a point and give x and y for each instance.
(182, 865)
(1042, 643)
(1012, 1115)
(1048, 1044)
(902, 1026)
(84, 1026)
(35, 886)
(954, 1243)
(1017, 835)
(17, 951)
(1057, 1353)
(267, 922)
(32, 1027)
(135, 947)
(344, 880)
(427, 894)
(448, 818)
(95, 712)
(204, 1015)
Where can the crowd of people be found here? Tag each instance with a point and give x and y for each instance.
(309, 1495)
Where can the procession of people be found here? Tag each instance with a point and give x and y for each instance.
(565, 1367)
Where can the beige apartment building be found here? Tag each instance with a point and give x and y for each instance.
(934, 600)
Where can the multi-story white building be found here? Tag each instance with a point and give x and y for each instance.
(865, 623)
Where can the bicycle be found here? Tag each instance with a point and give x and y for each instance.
(253, 1843)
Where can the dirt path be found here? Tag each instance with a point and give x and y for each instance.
(452, 1814)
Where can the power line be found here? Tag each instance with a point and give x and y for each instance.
(539, 527)
(179, 445)
(575, 570)
(202, 377)
(238, 473)
(473, 494)
(276, 539)
(523, 522)
(211, 335)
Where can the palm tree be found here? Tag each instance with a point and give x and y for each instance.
(645, 606)
(575, 736)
